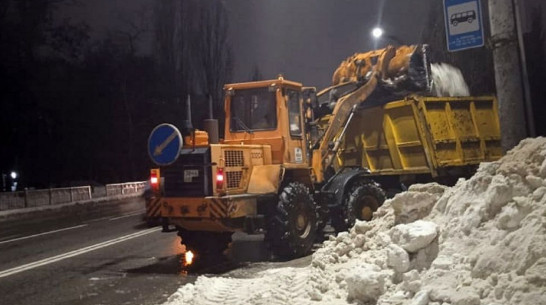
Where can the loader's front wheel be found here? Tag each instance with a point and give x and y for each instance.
(292, 227)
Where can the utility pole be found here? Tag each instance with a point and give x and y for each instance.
(507, 73)
(523, 61)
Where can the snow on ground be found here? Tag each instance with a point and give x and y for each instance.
(482, 241)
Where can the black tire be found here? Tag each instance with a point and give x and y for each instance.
(205, 243)
(339, 219)
(360, 200)
(364, 200)
(455, 23)
(292, 228)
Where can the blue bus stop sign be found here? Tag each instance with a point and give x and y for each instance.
(164, 144)
(464, 27)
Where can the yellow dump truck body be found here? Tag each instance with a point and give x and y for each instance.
(423, 135)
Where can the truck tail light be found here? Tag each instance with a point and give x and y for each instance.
(153, 180)
(219, 178)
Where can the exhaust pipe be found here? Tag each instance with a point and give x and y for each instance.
(187, 127)
(211, 125)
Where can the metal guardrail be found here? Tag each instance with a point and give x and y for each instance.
(125, 188)
(45, 197)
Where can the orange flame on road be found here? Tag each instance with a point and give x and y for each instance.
(188, 258)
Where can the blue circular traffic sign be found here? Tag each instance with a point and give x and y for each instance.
(164, 144)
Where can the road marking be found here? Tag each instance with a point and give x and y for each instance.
(70, 254)
(40, 234)
(128, 215)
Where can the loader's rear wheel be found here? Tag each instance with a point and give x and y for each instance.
(205, 243)
(359, 202)
(292, 228)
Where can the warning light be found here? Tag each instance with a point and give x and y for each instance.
(219, 178)
(188, 258)
(154, 179)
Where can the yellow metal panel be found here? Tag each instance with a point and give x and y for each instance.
(209, 207)
(317, 170)
(423, 134)
(463, 130)
(407, 136)
(264, 179)
(389, 151)
(439, 131)
(237, 162)
(370, 136)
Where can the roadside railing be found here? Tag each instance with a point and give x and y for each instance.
(45, 197)
(125, 188)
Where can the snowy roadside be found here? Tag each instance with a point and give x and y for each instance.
(482, 241)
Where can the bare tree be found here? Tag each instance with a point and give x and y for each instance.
(171, 46)
(214, 61)
(134, 26)
(192, 49)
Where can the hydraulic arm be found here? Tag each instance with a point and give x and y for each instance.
(394, 70)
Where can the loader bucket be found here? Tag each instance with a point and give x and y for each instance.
(407, 72)
(409, 68)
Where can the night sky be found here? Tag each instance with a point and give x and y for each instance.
(305, 40)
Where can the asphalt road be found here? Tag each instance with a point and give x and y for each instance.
(106, 255)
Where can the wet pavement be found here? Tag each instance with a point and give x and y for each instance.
(112, 259)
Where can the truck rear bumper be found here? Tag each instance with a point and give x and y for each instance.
(227, 213)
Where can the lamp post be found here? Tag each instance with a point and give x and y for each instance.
(13, 176)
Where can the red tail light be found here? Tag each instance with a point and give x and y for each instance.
(154, 179)
(219, 179)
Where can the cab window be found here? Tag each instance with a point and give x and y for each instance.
(253, 109)
(294, 113)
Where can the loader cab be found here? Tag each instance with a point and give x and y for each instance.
(268, 113)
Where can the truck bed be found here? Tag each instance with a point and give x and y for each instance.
(423, 135)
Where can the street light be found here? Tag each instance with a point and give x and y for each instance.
(378, 33)
(13, 176)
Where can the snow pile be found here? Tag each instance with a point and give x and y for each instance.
(448, 80)
(482, 241)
